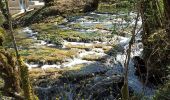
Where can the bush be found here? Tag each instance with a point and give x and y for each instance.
(163, 93)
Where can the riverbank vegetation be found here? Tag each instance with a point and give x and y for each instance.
(118, 51)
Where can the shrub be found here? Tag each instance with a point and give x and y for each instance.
(163, 93)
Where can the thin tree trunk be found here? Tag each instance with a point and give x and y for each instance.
(22, 69)
(9, 19)
(125, 90)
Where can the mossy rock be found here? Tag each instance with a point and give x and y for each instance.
(93, 58)
(48, 31)
(46, 55)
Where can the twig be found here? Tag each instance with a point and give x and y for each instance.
(125, 90)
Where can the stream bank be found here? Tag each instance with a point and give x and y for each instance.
(59, 71)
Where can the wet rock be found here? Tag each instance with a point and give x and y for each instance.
(139, 65)
(88, 49)
(97, 79)
(116, 70)
(88, 70)
(105, 88)
(89, 88)
(112, 72)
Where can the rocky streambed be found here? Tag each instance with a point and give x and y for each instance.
(95, 69)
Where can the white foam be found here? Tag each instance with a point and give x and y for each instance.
(50, 66)
(76, 61)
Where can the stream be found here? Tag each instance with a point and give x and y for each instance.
(115, 63)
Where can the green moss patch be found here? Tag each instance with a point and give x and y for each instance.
(93, 58)
(50, 32)
(46, 54)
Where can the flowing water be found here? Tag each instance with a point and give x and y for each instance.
(106, 23)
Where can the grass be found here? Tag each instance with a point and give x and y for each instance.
(76, 26)
(78, 46)
(2, 19)
(99, 26)
(2, 34)
(46, 54)
(25, 42)
(48, 30)
(53, 72)
(93, 58)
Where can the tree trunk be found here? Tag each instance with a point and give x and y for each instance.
(9, 19)
(14, 73)
(9, 72)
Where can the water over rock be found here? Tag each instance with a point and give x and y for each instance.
(91, 82)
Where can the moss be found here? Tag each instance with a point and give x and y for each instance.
(93, 58)
(52, 73)
(25, 82)
(26, 43)
(99, 26)
(50, 32)
(1, 19)
(78, 46)
(98, 45)
(46, 55)
(76, 26)
(125, 92)
(9, 72)
(1, 82)
(107, 48)
(2, 35)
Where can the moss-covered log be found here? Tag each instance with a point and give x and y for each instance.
(8, 69)
(16, 81)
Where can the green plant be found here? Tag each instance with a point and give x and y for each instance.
(163, 93)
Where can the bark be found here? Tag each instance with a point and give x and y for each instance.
(124, 89)
(9, 19)
(13, 71)
(9, 72)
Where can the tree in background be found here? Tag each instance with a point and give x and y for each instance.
(155, 16)
(155, 37)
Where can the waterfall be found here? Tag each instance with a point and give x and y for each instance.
(21, 3)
